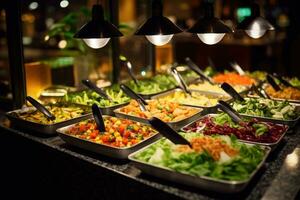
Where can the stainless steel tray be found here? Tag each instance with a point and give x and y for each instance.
(278, 99)
(149, 96)
(290, 123)
(203, 182)
(45, 129)
(175, 125)
(119, 153)
(205, 93)
(271, 145)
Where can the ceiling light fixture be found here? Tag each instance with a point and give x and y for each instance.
(158, 29)
(97, 32)
(255, 25)
(210, 29)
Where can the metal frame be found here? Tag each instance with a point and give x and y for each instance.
(15, 51)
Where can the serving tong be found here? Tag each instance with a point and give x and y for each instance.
(198, 71)
(41, 108)
(128, 65)
(140, 100)
(180, 80)
(96, 89)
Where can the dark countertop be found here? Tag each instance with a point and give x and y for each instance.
(255, 190)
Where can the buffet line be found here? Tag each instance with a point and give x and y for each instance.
(202, 128)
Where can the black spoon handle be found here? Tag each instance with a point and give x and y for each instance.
(132, 94)
(40, 108)
(283, 81)
(196, 69)
(272, 82)
(230, 111)
(261, 92)
(98, 118)
(168, 132)
(180, 80)
(94, 87)
(232, 92)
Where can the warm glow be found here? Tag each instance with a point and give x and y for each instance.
(33, 5)
(62, 44)
(292, 160)
(159, 40)
(256, 31)
(96, 43)
(47, 37)
(211, 38)
(64, 3)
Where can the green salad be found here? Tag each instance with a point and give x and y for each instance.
(153, 85)
(266, 108)
(89, 97)
(218, 157)
(295, 82)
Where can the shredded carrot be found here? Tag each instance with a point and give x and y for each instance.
(234, 79)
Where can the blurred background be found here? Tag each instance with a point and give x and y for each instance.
(53, 57)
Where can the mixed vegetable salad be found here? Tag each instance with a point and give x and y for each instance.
(206, 86)
(195, 99)
(266, 108)
(89, 97)
(252, 130)
(288, 93)
(121, 133)
(218, 157)
(164, 110)
(60, 111)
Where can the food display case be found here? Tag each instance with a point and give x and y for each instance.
(101, 142)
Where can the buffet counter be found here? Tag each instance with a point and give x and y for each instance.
(49, 168)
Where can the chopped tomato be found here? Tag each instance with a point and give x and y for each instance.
(122, 128)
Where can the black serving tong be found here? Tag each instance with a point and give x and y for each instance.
(141, 101)
(41, 108)
(196, 69)
(232, 92)
(129, 69)
(260, 91)
(98, 118)
(283, 81)
(235, 116)
(168, 132)
(272, 82)
(96, 89)
(180, 80)
(237, 68)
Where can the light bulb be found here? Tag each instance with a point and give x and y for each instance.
(211, 38)
(96, 43)
(159, 40)
(255, 33)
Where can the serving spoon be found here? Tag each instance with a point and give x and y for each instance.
(41, 108)
(180, 80)
(168, 132)
(96, 89)
(98, 118)
(237, 68)
(129, 69)
(198, 71)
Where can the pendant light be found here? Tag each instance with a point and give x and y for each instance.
(255, 25)
(209, 29)
(97, 32)
(158, 29)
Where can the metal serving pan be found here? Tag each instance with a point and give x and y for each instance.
(203, 182)
(105, 110)
(271, 145)
(46, 129)
(175, 125)
(209, 94)
(149, 96)
(115, 152)
(290, 123)
(278, 99)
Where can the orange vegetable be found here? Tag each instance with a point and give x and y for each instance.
(234, 79)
